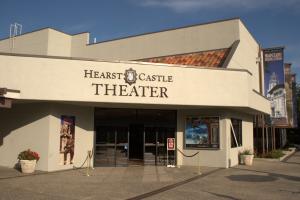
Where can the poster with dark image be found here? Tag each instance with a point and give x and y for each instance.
(202, 132)
(67, 139)
(274, 84)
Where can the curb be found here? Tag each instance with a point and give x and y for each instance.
(287, 155)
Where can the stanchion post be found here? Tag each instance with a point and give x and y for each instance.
(199, 172)
(88, 163)
(91, 155)
(178, 166)
(167, 158)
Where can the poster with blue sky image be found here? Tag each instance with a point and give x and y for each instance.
(199, 132)
(196, 131)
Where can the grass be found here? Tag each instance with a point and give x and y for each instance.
(274, 154)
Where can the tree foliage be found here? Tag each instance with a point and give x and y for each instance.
(298, 103)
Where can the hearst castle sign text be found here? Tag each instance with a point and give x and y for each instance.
(130, 86)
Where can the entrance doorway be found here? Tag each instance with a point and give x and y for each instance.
(130, 137)
(136, 142)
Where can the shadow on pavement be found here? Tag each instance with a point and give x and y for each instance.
(252, 178)
(255, 178)
(291, 178)
(294, 163)
(221, 195)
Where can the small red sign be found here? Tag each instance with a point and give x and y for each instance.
(171, 144)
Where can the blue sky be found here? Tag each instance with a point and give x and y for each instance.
(272, 22)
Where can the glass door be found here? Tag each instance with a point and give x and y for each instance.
(111, 146)
(105, 146)
(150, 146)
(162, 134)
(155, 148)
(122, 146)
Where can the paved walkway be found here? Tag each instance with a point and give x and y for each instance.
(264, 180)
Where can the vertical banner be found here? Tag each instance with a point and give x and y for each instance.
(274, 85)
(67, 139)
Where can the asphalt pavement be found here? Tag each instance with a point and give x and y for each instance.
(263, 180)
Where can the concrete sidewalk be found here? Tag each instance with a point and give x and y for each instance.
(264, 180)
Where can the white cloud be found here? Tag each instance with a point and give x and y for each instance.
(189, 5)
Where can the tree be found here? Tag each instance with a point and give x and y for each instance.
(298, 103)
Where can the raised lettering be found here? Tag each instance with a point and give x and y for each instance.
(97, 87)
(88, 73)
(133, 90)
(119, 75)
(143, 90)
(153, 91)
(108, 75)
(163, 92)
(123, 90)
(142, 76)
(96, 74)
(107, 89)
(102, 75)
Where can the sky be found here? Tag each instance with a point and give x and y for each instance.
(272, 22)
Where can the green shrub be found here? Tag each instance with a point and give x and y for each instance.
(246, 152)
(275, 154)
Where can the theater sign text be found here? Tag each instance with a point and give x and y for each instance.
(135, 84)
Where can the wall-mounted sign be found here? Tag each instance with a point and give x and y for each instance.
(171, 144)
(130, 76)
(132, 83)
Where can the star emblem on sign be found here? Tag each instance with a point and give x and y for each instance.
(130, 76)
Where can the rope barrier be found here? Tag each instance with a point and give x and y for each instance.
(89, 156)
(187, 155)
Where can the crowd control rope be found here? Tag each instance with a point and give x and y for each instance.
(87, 157)
(187, 155)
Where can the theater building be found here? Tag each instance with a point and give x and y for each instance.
(63, 96)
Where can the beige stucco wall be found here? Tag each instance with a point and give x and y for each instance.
(31, 43)
(59, 43)
(84, 134)
(184, 40)
(247, 137)
(78, 44)
(246, 54)
(63, 80)
(37, 126)
(208, 157)
(196, 38)
(225, 156)
(22, 127)
(43, 42)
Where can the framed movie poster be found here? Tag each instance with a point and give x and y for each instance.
(67, 139)
(202, 132)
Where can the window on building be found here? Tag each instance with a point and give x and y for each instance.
(237, 127)
(202, 132)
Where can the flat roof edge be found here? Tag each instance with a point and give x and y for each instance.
(125, 62)
(168, 29)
